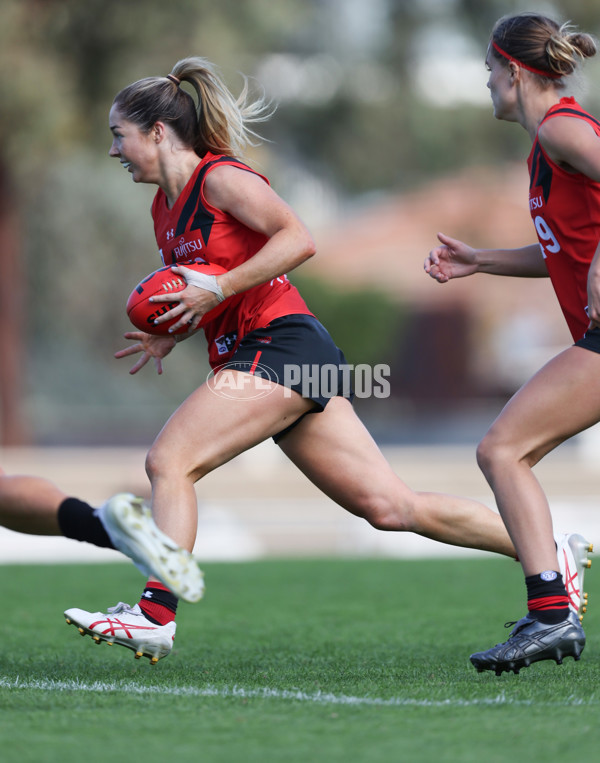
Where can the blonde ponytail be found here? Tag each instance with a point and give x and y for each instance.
(213, 121)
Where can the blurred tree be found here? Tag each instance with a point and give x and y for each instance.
(13, 430)
(478, 18)
(30, 86)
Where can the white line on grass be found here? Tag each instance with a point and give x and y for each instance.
(286, 694)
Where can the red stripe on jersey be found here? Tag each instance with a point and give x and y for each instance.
(255, 363)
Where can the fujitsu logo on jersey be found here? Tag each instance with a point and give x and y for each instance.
(186, 248)
(536, 202)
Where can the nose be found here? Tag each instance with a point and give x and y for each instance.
(113, 151)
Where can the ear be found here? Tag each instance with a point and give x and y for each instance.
(158, 132)
(515, 72)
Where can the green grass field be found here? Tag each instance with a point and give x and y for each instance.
(311, 660)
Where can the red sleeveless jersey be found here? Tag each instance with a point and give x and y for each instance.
(193, 228)
(565, 208)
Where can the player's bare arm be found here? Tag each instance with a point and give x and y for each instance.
(253, 202)
(572, 144)
(455, 259)
(593, 289)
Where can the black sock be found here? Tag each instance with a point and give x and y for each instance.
(79, 521)
(547, 598)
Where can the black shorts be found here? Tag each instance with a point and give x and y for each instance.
(297, 352)
(590, 340)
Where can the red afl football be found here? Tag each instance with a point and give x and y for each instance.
(142, 313)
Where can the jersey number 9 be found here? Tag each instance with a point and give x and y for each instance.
(547, 238)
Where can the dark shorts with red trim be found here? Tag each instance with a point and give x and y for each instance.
(297, 352)
(590, 340)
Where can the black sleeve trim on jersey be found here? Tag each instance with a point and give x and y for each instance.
(202, 218)
(582, 115)
(189, 207)
(541, 172)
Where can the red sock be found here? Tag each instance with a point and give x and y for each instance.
(158, 603)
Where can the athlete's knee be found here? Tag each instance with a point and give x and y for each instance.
(164, 461)
(495, 452)
(153, 463)
(388, 513)
(485, 454)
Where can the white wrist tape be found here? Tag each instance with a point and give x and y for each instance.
(203, 281)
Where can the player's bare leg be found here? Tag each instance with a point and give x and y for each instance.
(29, 504)
(557, 403)
(207, 430)
(339, 456)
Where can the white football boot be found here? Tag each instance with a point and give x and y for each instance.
(126, 626)
(132, 530)
(572, 551)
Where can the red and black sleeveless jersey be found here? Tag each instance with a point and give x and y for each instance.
(193, 228)
(565, 208)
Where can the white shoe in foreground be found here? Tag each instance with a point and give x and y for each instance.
(127, 626)
(572, 551)
(132, 530)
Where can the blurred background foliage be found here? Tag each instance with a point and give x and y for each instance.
(373, 97)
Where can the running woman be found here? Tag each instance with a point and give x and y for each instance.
(188, 142)
(530, 58)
